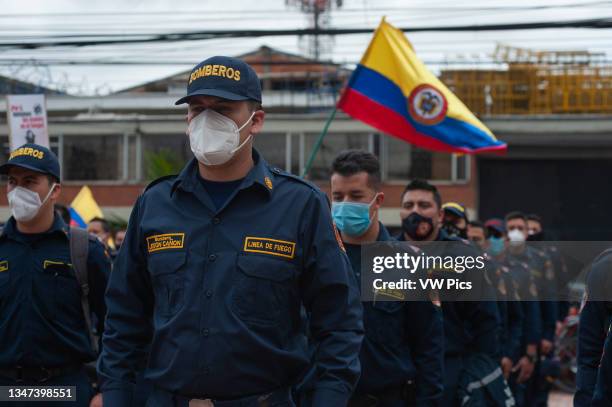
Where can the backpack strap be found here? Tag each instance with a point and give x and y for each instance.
(79, 251)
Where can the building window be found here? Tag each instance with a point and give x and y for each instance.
(273, 148)
(164, 155)
(332, 145)
(92, 158)
(402, 161)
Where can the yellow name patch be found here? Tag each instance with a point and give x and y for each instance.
(269, 246)
(48, 263)
(28, 151)
(215, 70)
(3, 266)
(166, 241)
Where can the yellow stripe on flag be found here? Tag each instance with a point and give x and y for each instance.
(391, 55)
(85, 205)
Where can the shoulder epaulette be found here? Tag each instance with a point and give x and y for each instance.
(159, 180)
(280, 172)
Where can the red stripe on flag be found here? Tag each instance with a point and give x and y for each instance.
(387, 120)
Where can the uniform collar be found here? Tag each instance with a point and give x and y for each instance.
(10, 228)
(383, 233)
(260, 174)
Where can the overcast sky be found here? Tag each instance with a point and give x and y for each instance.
(164, 16)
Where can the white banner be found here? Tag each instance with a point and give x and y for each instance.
(27, 119)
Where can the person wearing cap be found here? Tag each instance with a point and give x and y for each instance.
(44, 338)
(470, 327)
(218, 264)
(455, 220)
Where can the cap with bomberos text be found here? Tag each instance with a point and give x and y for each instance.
(33, 157)
(224, 77)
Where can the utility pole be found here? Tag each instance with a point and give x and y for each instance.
(320, 11)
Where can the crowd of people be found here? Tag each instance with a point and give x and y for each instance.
(238, 284)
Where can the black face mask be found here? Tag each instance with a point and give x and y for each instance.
(411, 223)
(453, 230)
(536, 237)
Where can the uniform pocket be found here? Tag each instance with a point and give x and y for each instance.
(263, 289)
(4, 275)
(167, 276)
(385, 322)
(64, 301)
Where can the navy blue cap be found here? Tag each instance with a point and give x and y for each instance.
(33, 157)
(224, 77)
(455, 208)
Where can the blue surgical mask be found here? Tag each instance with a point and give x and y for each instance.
(352, 218)
(496, 245)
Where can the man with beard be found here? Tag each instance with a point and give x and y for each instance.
(470, 327)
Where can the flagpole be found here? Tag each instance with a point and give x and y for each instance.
(317, 145)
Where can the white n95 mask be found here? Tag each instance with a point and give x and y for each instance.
(214, 138)
(25, 204)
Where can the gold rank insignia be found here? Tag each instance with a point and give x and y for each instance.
(268, 183)
(3, 266)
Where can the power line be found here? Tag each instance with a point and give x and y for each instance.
(268, 11)
(106, 39)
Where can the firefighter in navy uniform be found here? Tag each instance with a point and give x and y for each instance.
(45, 338)
(523, 288)
(594, 377)
(402, 353)
(218, 263)
(541, 285)
(470, 327)
(500, 278)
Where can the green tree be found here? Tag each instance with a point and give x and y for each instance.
(162, 162)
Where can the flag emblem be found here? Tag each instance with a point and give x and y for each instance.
(427, 105)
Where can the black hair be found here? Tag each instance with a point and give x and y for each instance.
(52, 179)
(254, 105)
(423, 185)
(515, 215)
(476, 224)
(534, 217)
(103, 222)
(351, 162)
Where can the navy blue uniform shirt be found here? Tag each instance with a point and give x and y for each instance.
(594, 377)
(510, 310)
(41, 317)
(218, 292)
(403, 341)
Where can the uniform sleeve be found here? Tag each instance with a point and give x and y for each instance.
(594, 324)
(515, 327)
(427, 347)
(330, 294)
(98, 271)
(483, 316)
(602, 396)
(532, 323)
(127, 333)
(549, 308)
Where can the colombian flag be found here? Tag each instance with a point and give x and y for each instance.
(392, 90)
(84, 208)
